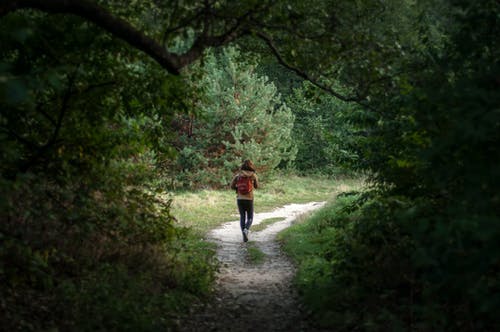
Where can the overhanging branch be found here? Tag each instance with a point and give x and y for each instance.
(172, 62)
(104, 19)
(268, 40)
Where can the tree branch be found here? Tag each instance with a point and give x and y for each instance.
(204, 42)
(173, 63)
(39, 109)
(268, 40)
(104, 19)
(62, 112)
(181, 25)
(123, 30)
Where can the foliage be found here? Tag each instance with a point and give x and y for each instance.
(458, 112)
(88, 129)
(324, 132)
(85, 243)
(353, 267)
(420, 251)
(113, 297)
(438, 151)
(240, 116)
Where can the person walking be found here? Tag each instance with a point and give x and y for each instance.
(244, 182)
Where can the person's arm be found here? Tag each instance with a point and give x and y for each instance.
(255, 181)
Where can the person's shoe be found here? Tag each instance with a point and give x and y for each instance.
(245, 235)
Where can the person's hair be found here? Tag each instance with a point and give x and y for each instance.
(248, 166)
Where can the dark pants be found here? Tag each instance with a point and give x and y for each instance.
(245, 206)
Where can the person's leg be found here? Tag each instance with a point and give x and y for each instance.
(249, 215)
(247, 207)
(242, 210)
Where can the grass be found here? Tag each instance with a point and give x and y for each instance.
(254, 254)
(206, 209)
(265, 223)
(310, 242)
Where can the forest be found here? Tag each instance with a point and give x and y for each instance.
(108, 108)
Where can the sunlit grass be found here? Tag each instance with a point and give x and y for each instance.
(206, 209)
(265, 223)
(309, 242)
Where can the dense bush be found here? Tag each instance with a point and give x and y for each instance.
(439, 154)
(354, 268)
(85, 244)
(421, 251)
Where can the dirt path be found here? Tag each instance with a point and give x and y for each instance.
(249, 296)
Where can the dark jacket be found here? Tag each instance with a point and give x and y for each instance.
(251, 174)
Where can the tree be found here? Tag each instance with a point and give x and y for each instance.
(324, 131)
(340, 32)
(240, 116)
(81, 128)
(421, 250)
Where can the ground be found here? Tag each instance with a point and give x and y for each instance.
(253, 296)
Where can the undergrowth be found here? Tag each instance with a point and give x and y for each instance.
(377, 263)
(350, 269)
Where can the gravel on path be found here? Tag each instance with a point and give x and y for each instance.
(249, 296)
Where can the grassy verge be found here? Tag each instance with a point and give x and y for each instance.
(265, 223)
(206, 209)
(311, 242)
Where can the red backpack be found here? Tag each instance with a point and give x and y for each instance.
(244, 184)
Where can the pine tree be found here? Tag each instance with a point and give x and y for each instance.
(240, 116)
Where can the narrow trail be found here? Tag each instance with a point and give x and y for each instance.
(253, 297)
